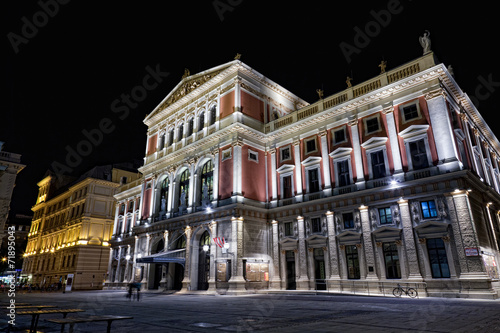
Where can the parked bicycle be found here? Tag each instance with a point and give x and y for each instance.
(398, 291)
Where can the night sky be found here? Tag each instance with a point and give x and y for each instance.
(66, 68)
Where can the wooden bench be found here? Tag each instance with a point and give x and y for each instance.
(36, 315)
(24, 307)
(89, 319)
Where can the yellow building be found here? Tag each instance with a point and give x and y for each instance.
(72, 225)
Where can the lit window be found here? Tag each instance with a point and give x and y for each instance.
(385, 215)
(428, 209)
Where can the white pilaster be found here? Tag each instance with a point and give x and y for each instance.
(325, 159)
(298, 170)
(393, 139)
(358, 160)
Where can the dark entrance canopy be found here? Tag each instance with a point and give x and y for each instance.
(176, 256)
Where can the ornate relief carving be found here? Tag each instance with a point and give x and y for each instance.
(415, 212)
(338, 223)
(379, 244)
(373, 218)
(187, 87)
(399, 242)
(422, 241)
(357, 221)
(442, 208)
(446, 239)
(396, 215)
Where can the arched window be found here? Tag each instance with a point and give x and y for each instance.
(205, 239)
(190, 127)
(180, 132)
(164, 188)
(213, 115)
(181, 242)
(184, 188)
(207, 182)
(171, 137)
(201, 121)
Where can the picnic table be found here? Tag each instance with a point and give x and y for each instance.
(36, 315)
(76, 320)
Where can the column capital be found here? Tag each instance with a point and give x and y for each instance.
(402, 201)
(363, 208)
(434, 93)
(388, 109)
(274, 222)
(353, 122)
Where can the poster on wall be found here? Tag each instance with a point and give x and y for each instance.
(490, 265)
(69, 282)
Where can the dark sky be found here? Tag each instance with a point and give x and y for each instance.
(62, 71)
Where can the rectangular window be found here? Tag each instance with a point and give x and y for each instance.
(339, 136)
(385, 215)
(313, 180)
(285, 154)
(343, 173)
(226, 154)
(410, 112)
(310, 145)
(351, 253)
(378, 164)
(253, 156)
(372, 125)
(287, 187)
(437, 258)
(418, 154)
(316, 224)
(288, 228)
(391, 258)
(348, 219)
(428, 209)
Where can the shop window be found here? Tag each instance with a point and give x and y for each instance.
(391, 259)
(353, 271)
(437, 258)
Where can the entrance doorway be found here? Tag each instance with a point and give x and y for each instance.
(319, 269)
(290, 270)
(158, 268)
(204, 261)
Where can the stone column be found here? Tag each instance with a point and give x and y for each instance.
(423, 247)
(465, 236)
(164, 267)
(362, 263)
(449, 256)
(119, 265)
(171, 188)
(380, 257)
(110, 262)
(115, 227)
(134, 257)
(237, 169)
(301, 259)
(283, 269)
(442, 130)
(409, 241)
(274, 185)
(325, 159)
(237, 282)
(402, 259)
(275, 277)
(215, 153)
(186, 282)
(368, 244)
(213, 256)
(311, 269)
(343, 262)
(393, 139)
(298, 170)
(333, 272)
(192, 178)
(356, 146)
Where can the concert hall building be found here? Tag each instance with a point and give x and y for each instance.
(245, 187)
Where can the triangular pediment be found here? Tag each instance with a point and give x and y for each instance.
(311, 160)
(188, 84)
(432, 229)
(387, 234)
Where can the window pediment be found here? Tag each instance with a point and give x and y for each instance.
(374, 142)
(413, 130)
(340, 152)
(311, 160)
(285, 168)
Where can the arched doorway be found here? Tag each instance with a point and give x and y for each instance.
(158, 268)
(177, 270)
(204, 261)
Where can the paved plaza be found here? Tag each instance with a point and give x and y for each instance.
(161, 312)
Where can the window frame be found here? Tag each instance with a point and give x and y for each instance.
(334, 138)
(254, 153)
(351, 224)
(409, 104)
(306, 148)
(379, 125)
(284, 148)
(384, 209)
(434, 209)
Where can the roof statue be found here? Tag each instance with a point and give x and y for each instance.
(383, 65)
(425, 41)
(320, 93)
(186, 73)
(237, 56)
(348, 81)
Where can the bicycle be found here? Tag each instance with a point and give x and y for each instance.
(398, 291)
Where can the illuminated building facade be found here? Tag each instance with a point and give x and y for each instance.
(72, 226)
(246, 186)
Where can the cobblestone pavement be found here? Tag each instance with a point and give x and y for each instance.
(160, 312)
